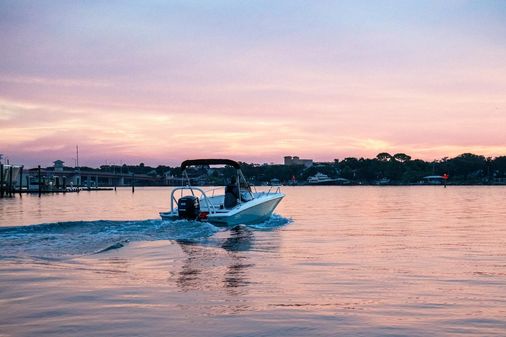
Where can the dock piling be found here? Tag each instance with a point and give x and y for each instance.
(1, 180)
(20, 180)
(57, 184)
(11, 190)
(133, 182)
(40, 180)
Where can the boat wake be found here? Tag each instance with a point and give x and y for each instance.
(61, 239)
(273, 222)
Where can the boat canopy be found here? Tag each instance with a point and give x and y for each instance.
(192, 162)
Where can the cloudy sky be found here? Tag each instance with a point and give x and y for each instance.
(162, 81)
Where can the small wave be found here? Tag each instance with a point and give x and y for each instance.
(275, 221)
(117, 245)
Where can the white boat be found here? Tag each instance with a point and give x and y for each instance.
(321, 179)
(239, 204)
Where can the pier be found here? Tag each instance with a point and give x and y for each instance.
(15, 180)
(9, 176)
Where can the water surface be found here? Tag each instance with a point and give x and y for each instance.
(363, 261)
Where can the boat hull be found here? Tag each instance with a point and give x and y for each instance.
(251, 212)
(248, 213)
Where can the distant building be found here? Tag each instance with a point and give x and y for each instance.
(58, 165)
(289, 160)
(170, 179)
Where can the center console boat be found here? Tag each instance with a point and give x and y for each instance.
(239, 203)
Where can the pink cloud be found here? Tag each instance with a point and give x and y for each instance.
(142, 86)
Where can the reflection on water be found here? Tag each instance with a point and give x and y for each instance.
(219, 264)
(366, 261)
(241, 239)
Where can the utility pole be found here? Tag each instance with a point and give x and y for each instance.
(78, 171)
(21, 179)
(40, 180)
(1, 180)
(11, 171)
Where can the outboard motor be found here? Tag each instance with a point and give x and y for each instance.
(188, 207)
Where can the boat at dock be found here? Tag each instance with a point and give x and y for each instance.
(323, 179)
(239, 204)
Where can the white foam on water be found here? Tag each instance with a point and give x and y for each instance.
(61, 239)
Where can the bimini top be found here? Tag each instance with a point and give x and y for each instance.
(192, 162)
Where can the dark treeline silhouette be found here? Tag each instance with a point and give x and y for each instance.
(399, 168)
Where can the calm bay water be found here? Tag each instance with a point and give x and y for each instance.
(363, 261)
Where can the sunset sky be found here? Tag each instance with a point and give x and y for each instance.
(162, 81)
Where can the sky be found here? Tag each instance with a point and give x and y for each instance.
(163, 81)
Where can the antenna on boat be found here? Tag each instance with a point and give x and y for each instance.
(246, 183)
(188, 181)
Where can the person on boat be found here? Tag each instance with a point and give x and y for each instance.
(231, 193)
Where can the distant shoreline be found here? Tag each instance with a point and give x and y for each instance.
(383, 170)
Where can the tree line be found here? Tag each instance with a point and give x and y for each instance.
(398, 168)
